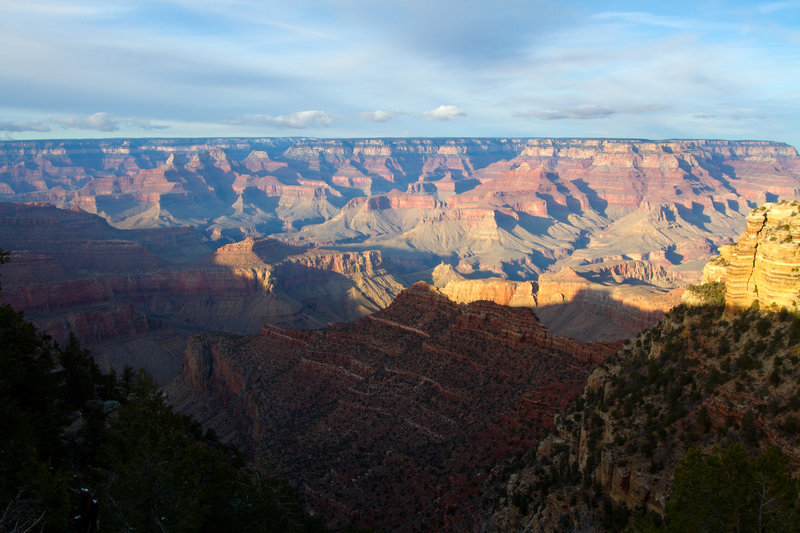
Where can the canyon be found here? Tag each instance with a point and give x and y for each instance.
(536, 256)
(427, 391)
(605, 232)
(470, 401)
(133, 297)
(714, 371)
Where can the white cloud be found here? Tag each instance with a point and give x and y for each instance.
(772, 7)
(298, 120)
(33, 125)
(378, 116)
(581, 112)
(586, 112)
(144, 124)
(95, 121)
(444, 112)
(61, 9)
(649, 19)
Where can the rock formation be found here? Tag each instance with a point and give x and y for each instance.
(395, 420)
(133, 296)
(764, 265)
(678, 385)
(700, 377)
(608, 301)
(512, 209)
(497, 290)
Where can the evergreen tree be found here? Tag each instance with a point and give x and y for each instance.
(728, 491)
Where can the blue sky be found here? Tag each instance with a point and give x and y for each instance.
(356, 68)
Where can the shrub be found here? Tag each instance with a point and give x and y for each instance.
(703, 419)
(712, 293)
(763, 326)
(790, 425)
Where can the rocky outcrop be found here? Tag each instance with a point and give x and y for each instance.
(677, 385)
(607, 301)
(427, 391)
(497, 290)
(764, 265)
(614, 450)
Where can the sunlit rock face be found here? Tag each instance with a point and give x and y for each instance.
(764, 265)
(497, 290)
(493, 209)
(606, 301)
(396, 420)
(232, 187)
(701, 377)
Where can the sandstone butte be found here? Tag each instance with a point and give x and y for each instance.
(763, 266)
(608, 301)
(394, 421)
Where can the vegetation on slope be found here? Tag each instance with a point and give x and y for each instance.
(712, 293)
(77, 442)
(694, 381)
(729, 490)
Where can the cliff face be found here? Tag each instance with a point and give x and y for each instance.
(258, 186)
(678, 385)
(119, 291)
(697, 378)
(427, 391)
(510, 209)
(764, 265)
(608, 301)
(497, 290)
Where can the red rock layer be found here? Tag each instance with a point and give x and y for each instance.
(73, 273)
(393, 421)
(540, 177)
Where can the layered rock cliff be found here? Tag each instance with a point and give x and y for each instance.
(694, 379)
(608, 301)
(700, 377)
(395, 420)
(510, 209)
(125, 293)
(497, 290)
(764, 265)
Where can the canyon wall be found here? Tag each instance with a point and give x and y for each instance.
(608, 301)
(677, 385)
(126, 293)
(764, 265)
(393, 421)
(498, 204)
(508, 209)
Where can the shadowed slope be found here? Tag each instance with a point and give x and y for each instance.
(427, 391)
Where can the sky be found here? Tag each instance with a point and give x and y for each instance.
(412, 68)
